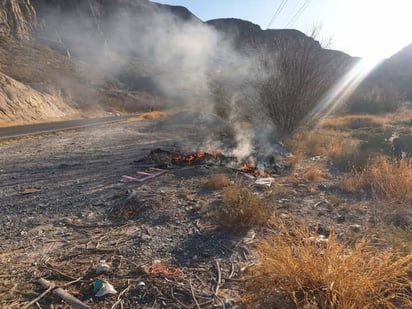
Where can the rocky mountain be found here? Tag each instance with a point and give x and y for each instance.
(21, 103)
(398, 69)
(17, 18)
(128, 54)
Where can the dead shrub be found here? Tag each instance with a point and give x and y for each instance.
(326, 143)
(314, 173)
(241, 209)
(306, 274)
(352, 183)
(400, 238)
(217, 182)
(280, 191)
(389, 178)
(293, 161)
(384, 178)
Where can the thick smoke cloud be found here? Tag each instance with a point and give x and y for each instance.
(183, 60)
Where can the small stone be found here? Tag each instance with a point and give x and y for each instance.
(340, 219)
(356, 228)
(145, 237)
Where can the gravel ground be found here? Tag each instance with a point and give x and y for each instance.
(63, 208)
(66, 173)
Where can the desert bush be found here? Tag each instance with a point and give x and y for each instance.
(217, 182)
(241, 209)
(297, 271)
(389, 178)
(384, 178)
(352, 183)
(314, 173)
(298, 76)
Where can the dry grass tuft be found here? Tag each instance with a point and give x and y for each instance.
(241, 209)
(314, 173)
(389, 178)
(383, 177)
(326, 143)
(293, 161)
(296, 271)
(354, 122)
(352, 183)
(149, 116)
(217, 182)
(351, 158)
(400, 238)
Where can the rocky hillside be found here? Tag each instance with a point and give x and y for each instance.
(20, 103)
(17, 18)
(398, 69)
(126, 54)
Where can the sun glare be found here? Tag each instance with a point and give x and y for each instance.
(344, 87)
(376, 29)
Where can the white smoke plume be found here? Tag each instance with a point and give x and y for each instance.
(156, 51)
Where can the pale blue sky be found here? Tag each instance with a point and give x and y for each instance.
(367, 28)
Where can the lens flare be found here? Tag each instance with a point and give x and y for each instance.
(345, 87)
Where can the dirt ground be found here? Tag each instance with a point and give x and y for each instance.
(63, 209)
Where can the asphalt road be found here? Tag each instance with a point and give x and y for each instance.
(31, 129)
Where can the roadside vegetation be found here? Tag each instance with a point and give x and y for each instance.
(297, 270)
(369, 158)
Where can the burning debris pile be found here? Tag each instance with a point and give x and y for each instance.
(165, 159)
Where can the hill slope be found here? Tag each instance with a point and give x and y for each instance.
(132, 54)
(21, 103)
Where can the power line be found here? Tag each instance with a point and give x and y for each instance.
(298, 14)
(278, 11)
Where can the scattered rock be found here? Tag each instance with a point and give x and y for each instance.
(356, 228)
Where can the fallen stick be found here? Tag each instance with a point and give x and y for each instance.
(193, 294)
(119, 298)
(38, 298)
(63, 294)
(219, 277)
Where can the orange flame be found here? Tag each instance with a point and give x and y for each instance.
(251, 168)
(198, 155)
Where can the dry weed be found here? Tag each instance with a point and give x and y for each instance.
(293, 161)
(296, 271)
(217, 182)
(389, 178)
(400, 238)
(353, 122)
(314, 173)
(383, 177)
(281, 191)
(352, 183)
(351, 158)
(402, 114)
(241, 209)
(326, 143)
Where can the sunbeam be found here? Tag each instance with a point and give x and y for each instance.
(345, 87)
